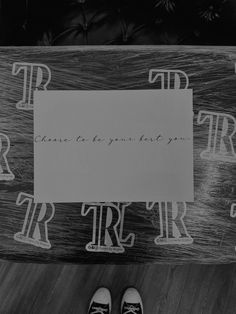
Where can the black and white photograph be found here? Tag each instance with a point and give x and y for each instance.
(117, 157)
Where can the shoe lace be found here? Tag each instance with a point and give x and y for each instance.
(131, 309)
(98, 310)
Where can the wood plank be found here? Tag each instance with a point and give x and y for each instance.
(206, 232)
(46, 289)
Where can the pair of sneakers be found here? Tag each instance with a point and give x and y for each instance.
(101, 302)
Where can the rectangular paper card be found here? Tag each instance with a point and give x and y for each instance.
(115, 145)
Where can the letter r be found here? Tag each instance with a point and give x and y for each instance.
(36, 77)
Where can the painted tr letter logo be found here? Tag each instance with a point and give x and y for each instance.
(35, 229)
(5, 172)
(108, 220)
(222, 128)
(172, 227)
(36, 77)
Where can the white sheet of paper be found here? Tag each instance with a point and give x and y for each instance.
(100, 146)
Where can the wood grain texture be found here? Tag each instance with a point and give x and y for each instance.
(211, 72)
(67, 289)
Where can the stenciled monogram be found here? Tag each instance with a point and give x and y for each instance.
(108, 221)
(36, 77)
(172, 227)
(222, 128)
(169, 79)
(35, 227)
(5, 172)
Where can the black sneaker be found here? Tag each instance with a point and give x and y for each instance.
(100, 302)
(131, 302)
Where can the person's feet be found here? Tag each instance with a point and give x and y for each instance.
(131, 302)
(100, 302)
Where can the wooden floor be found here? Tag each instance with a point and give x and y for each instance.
(52, 289)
